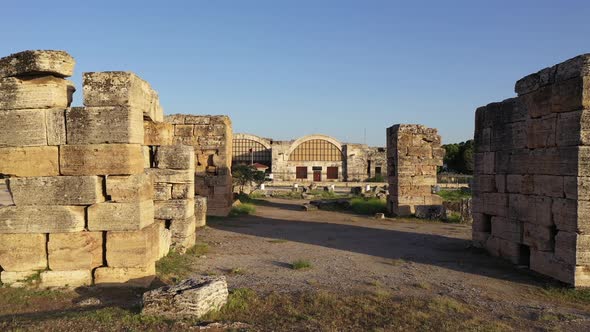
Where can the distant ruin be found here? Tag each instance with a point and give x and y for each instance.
(100, 193)
(532, 169)
(413, 154)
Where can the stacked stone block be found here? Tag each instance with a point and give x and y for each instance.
(211, 139)
(83, 208)
(532, 169)
(413, 154)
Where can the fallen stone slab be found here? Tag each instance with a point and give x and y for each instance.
(192, 298)
(52, 62)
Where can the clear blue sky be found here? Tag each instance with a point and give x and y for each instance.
(283, 69)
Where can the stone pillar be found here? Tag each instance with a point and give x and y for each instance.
(413, 154)
(532, 170)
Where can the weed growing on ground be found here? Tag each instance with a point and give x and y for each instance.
(301, 264)
(564, 294)
(368, 206)
(453, 195)
(176, 266)
(453, 218)
(237, 271)
(242, 209)
(422, 285)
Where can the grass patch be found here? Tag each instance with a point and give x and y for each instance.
(422, 285)
(453, 218)
(563, 294)
(175, 266)
(301, 264)
(237, 271)
(242, 209)
(368, 206)
(24, 297)
(287, 194)
(453, 195)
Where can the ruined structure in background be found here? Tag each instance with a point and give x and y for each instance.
(211, 138)
(84, 209)
(413, 154)
(532, 173)
(317, 158)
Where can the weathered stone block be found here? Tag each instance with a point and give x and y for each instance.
(482, 223)
(171, 175)
(50, 62)
(200, 211)
(101, 159)
(479, 239)
(549, 185)
(183, 130)
(57, 190)
(539, 237)
(509, 136)
(572, 248)
(571, 215)
(106, 124)
(538, 103)
(192, 298)
(495, 204)
(68, 279)
(541, 132)
(183, 190)
(520, 184)
(175, 157)
(41, 219)
(23, 252)
(30, 161)
(181, 244)
(484, 183)
(165, 239)
(133, 248)
(162, 191)
(174, 209)
(23, 128)
(35, 93)
(125, 276)
(112, 216)
(573, 128)
(56, 126)
(130, 188)
(157, 133)
(505, 249)
(17, 279)
(147, 156)
(546, 263)
(75, 251)
(571, 95)
(577, 187)
(183, 227)
(509, 230)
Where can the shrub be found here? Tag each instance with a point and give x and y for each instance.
(300, 264)
(242, 209)
(368, 206)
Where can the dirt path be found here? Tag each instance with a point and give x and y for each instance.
(349, 253)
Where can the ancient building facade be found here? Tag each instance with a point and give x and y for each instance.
(413, 154)
(83, 209)
(532, 170)
(311, 158)
(211, 138)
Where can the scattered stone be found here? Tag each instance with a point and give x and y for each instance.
(192, 298)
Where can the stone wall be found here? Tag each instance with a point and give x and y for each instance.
(362, 162)
(532, 169)
(83, 204)
(211, 139)
(413, 154)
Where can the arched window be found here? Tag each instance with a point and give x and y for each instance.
(246, 150)
(316, 150)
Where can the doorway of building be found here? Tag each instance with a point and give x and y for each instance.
(317, 173)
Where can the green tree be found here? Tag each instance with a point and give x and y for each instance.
(244, 175)
(459, 157)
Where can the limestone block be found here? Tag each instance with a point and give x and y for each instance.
(546, 263)
(35, 93)
(133, 248)
(181, 244)
(484, 162)
(112, 216)
(509, 136)
(162, 191)
(57, 190)
(174, 209)
(155, 112)
(130, 188)
(505, 249)
(17, 279)
(147, 156)
(68, 279)
(549, 185)
(482, 223)
(23, 128)
(571, 95)
(23, 252)
(50, 62)
(200, 211)
(571, 215)
(117, 88)
(572, 248)
(183, 190)
(41, 219)
(165, 239)
(520, 184)
(182, 130)
(541, 132)
(75, 251)
(539, 237)
(509, 230)
(157, 133)
(484, 183)
(183, 227)
(171, 175)
(55, 120)
(106, 124)
(500, 183)
(542, 211)
(479, 239)
(495, 204)
(573, 128)
(175, 157)
(577, 187)
(30, 161)
(101, 159)
(192, 298)
(538, 103)
(125, 276)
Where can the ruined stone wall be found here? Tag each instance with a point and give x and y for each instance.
(413, 154)
(83, 206)
(211, 139)
(362, 162)
(532, 169)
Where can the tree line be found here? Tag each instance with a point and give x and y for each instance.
(459, 157)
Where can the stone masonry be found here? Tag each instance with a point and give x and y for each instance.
(84, 209)
(532, 173)
(413, 154)
(211, 139)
